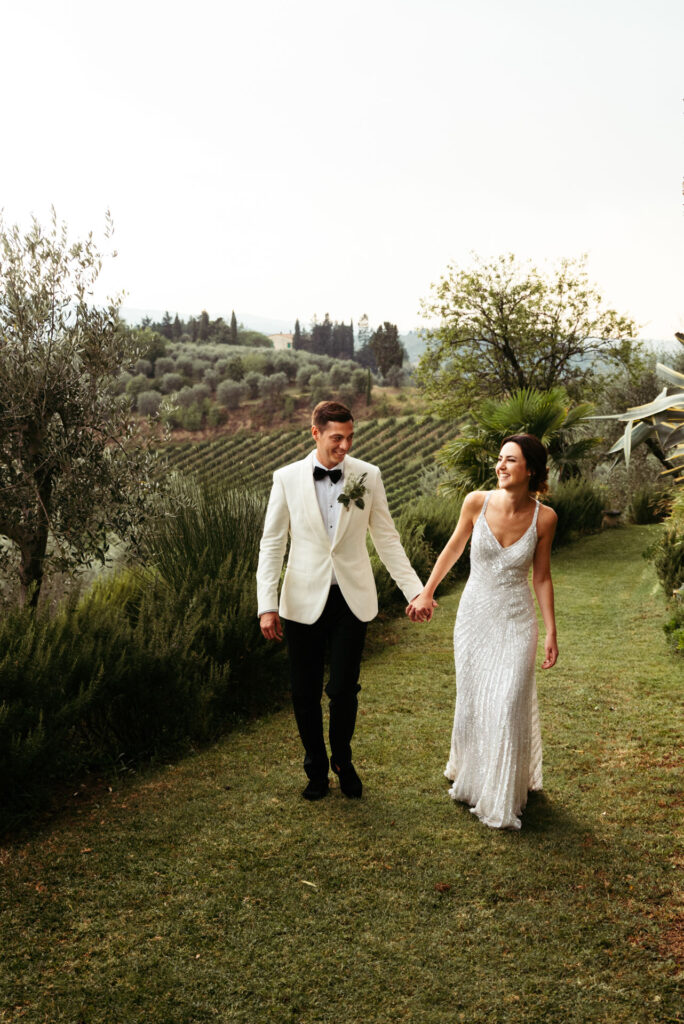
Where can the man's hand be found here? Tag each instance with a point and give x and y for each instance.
(271, 626)
(421, 608)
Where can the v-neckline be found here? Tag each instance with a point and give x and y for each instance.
(522, 535)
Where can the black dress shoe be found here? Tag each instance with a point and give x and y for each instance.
(350, 783)
(316, 789)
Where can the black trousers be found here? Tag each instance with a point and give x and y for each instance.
(340, 635)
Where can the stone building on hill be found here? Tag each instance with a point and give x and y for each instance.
(281, 341)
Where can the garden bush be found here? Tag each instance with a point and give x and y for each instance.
(164, 364)
(143, 366)
(148, 403)
(146, 661)
(579, 505)
(253, 382)
(650, 505)
(667, 554)
(170, 382)
(230, 393)
(674, 628)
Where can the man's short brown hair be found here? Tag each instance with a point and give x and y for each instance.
(330, 412)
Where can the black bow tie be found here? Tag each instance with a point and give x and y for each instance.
(334, 474)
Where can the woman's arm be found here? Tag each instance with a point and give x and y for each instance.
(542, 582)
(420, 609)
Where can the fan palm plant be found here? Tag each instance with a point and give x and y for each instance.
(546, 414)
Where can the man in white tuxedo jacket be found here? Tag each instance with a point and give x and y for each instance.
(328, 594)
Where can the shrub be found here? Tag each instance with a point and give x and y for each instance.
(319, 387)
(121, 383)
(339, 375)
(171, 382)
(184, 365)
(192, 417)
(359, 381)
(579, 506)
(199, 366)
(200, 392)
(235, 368)
(667, 554)
(211, 378)
(148, 403)
(273, 387)
(253, 383)
(230, 393)
(143, 366)
(137, 384)
(304, 374)
(185, 397)
(285, 362)
(215, 415)
(650, 505)
(164, 364)
(674, 629)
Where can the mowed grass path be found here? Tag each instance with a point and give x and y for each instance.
(210, 891)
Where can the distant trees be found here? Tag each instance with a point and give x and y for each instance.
(204, 330)
(501, 325)
(326, 338)
(386, 347)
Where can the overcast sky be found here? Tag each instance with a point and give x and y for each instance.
(292, 159)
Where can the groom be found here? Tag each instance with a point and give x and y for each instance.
(326, 504)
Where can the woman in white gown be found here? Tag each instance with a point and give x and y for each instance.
(496, 755)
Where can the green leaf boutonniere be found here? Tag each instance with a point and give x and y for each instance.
(354, 491)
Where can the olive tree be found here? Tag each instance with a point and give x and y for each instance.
(502, 326)
(73, 471)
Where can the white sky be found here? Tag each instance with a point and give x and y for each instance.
(287, 159)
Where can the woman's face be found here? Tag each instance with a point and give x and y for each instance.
(511, 468)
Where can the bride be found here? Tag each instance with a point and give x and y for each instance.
(496, 755)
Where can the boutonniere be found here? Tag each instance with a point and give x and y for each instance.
(353, 491)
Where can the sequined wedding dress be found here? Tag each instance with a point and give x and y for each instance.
(496, 754)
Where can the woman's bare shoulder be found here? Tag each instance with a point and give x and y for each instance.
(547, 518)
(472, 503)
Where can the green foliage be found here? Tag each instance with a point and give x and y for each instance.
(425, 526)
(548, 415)
(659, 423)
(146, 661)
(650, 505)
(72, 471)
(667, 554)
(386, 347)
(674, 629)
(579, 506)
(504, 326)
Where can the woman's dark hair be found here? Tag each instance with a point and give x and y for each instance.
(534, 454)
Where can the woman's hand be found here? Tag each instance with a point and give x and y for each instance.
(421, 608)
(550, 651)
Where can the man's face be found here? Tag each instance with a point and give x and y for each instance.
(333, 442)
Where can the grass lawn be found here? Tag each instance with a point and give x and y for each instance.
(210, 891)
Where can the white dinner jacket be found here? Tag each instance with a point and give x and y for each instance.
(293, 510)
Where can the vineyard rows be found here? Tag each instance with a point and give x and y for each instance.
(402, 447)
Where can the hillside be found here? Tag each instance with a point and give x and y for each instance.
(403, 447)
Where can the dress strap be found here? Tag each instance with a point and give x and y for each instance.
(484, 506)
(536, 513)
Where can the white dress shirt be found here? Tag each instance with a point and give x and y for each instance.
(327, 494)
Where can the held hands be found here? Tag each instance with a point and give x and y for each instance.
(271, 626)
(421, 608)
(550, 651)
